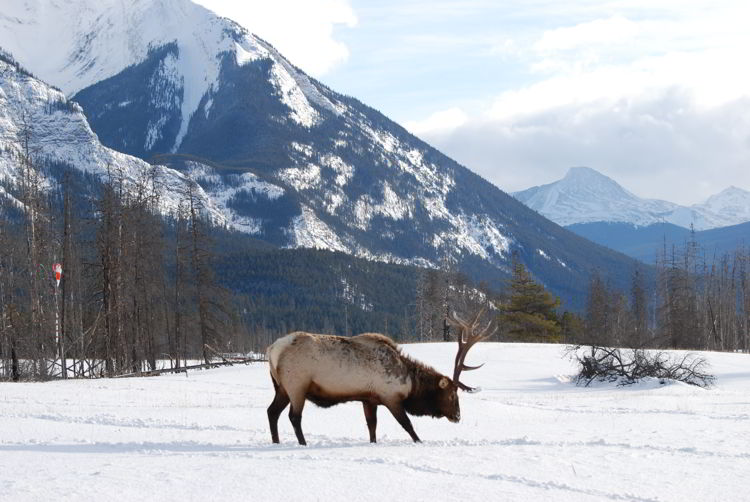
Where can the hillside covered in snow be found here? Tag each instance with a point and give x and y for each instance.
(38, 121)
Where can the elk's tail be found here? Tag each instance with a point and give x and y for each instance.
(274, 352)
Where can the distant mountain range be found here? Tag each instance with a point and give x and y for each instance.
(654, 241)
(585, 195)
(599, 209)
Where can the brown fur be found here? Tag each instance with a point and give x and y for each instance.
(369, 368)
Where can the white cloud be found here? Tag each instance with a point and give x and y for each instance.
(615, 57)
(599, 31)
(302, 30)
(439, 121)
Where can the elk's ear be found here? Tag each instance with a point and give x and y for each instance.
(444, 382)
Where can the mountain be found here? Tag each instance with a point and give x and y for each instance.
(731, 205)
(38, 120)
(76, 43)
(586, 196)
(283, 157)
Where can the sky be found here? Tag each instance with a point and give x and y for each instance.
(655, 94)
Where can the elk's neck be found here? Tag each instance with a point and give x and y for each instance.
(423, 396)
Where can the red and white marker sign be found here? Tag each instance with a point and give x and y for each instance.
(57, 267)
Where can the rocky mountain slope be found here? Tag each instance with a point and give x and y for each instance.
(39, 121)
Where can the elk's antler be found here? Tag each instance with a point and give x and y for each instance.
(466, 339)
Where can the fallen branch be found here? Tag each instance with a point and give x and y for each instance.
(184, 369)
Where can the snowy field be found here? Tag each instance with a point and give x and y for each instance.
(529, 435)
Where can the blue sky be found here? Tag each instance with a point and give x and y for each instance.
(655, 94)
(407, 60)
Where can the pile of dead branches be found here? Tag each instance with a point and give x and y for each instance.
(628, 366)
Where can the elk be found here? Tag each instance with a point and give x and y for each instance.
(370, 368)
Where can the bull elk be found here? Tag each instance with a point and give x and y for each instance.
(370, 368)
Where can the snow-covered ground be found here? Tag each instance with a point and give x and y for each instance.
(529, 435)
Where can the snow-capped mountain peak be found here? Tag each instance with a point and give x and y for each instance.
(107, 36)
(583, 173)
(731, 204)
(585, 195)
(585, 180)
(731, 196)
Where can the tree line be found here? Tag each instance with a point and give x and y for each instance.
(135, 288)
(522, 309)
(690, 300)
(693, 300)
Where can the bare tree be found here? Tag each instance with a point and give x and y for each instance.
(210, 298)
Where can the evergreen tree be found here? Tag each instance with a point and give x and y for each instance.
(530, 314)
(572, 327)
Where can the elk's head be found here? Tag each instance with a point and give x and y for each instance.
(447, 399)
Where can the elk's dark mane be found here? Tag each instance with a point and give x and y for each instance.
(415, 366)
(423, 398)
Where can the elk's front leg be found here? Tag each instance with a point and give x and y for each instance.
(400, 415)
(371, 416)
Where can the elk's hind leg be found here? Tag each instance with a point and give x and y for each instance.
(371, 416)
(278, 404)
(295, 416)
